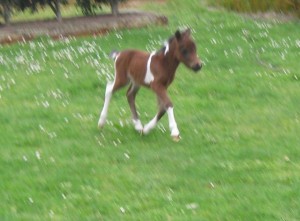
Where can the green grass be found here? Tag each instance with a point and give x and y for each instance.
(239, 120)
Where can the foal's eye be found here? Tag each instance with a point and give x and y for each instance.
(184, 52)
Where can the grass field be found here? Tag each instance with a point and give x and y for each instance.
(239, 156)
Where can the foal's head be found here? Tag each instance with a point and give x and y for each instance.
(186, 50)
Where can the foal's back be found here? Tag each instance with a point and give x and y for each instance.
(132, 64)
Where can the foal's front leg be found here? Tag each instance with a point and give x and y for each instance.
(152, 123)
(165, 106)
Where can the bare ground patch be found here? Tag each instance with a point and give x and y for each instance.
(77, 26)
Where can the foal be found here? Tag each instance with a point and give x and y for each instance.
(155, 71)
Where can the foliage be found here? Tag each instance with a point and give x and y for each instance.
(8, 6)
(261, 5)
(54, 5)
(88, 7)
(239, 119)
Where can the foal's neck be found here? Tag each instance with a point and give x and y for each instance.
(169, 58)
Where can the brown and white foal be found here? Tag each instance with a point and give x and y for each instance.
(155, 71)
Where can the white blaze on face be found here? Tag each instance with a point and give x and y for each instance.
(149, 76)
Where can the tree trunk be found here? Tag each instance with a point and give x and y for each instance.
(114, 7)
(58, 12)
(55, 6)
(6, 12)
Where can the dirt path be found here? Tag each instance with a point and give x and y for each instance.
(77, 26)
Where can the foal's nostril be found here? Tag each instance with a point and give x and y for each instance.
(197, 67)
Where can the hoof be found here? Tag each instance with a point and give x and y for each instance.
(101, 124)
(176, 138)
(138, 126)
(141, 132)
(145, 130)
(101, 121)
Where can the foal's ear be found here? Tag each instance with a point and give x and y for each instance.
(178, 35)
(187, 32)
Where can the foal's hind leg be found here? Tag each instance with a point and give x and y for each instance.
(111, 87)
(131, 94)
(108, 94)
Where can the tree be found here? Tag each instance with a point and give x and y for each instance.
(114, 7)
(53, 4)
(6, 10)
(7, 6)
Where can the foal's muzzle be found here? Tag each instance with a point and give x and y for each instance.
(197, 67)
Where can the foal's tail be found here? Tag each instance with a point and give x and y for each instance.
(114, 54)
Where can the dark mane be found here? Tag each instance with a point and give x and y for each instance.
(164, 47)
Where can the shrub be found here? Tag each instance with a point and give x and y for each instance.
(284, 6)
